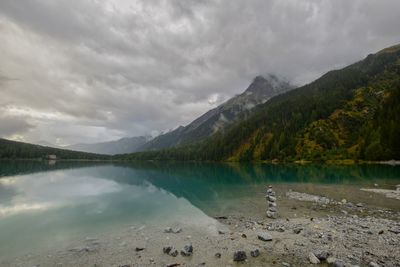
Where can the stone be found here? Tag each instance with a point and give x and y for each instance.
(239, 255)
(269, 191)
(271, 214)
(174, 253)
(272, 204)
(218, 255)
(344, 201)
(285, 264)
(360, 205)
(137, 249)
(308, 197)
(338, 263)
(322, 255)
(169, 230)
(281, 229)
(373, 264)
(167, 249)
(297, 230)
(271, 198)
(264, 236)
(255, 253)
(330, 260)
(272, 209)
(394, 231)
(170, 251)
(187, 250)
(313, 259)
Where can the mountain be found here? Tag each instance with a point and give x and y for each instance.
(19, 150)
(121, 146)
(46, 143)
(351, 113)
(259, 91)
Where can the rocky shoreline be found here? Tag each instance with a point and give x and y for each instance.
(342, 234)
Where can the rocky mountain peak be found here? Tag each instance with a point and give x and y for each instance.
(267, 84)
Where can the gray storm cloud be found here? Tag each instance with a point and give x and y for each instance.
(87, 71)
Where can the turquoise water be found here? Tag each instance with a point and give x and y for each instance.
(42, 204)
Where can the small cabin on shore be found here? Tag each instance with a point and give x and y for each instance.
(51, 157)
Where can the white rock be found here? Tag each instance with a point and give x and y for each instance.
(313, 259)
(264, 236)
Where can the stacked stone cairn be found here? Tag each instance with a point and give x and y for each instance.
(271, 201)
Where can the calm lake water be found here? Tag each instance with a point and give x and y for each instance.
(44, 205)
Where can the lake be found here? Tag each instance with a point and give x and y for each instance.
(49, 205)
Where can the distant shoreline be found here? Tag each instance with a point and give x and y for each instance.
(297, 162)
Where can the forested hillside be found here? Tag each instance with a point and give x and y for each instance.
(352, 113)
(18, 150)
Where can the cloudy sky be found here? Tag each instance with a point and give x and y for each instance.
(95, 70)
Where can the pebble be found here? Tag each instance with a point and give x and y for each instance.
(239, 256)
(272, 209)
(373, 264)
(187, 250)
(272, 204)
(167, 249)
(330, 260)
(218, 255)
(174, 253)
(170, 251)
(271, 214)
(173, 231)
(297, 230)
(338, 263)
(313, 259)
(322, 255)
(255, 253)
(264, 236)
